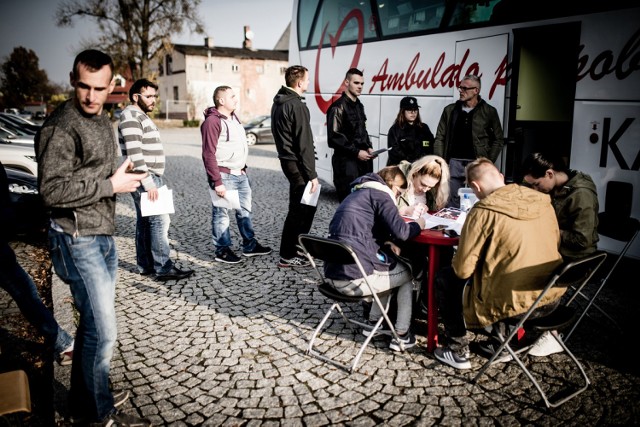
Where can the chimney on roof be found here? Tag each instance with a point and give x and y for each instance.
(248, 37)
(208, 42)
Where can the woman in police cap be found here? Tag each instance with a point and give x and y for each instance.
(409, 139)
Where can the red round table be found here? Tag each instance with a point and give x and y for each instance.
(434, 241)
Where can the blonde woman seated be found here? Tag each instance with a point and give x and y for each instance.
(427, 191)
(427, 186)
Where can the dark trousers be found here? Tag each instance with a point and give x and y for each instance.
(300, 216)
(457, 180)
(346, 169)
(449, 289)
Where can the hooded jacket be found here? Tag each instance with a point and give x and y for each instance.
(486, 131)
(576, 206)
(291, 130)
(509, 245)
(365, 220)
(224, 145)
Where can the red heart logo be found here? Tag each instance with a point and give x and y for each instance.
(356, 14)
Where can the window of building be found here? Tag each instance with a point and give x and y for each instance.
(176, 94)
(168, 60)
(259, 69)
(235, 68)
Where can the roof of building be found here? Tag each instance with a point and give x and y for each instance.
(231, 52)
(283, 42)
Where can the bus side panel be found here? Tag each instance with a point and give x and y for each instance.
(605, 145)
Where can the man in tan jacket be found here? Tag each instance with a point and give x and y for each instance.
(508, 248)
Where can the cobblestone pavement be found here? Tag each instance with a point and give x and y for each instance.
(227, 346)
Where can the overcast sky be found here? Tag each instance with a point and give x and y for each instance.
(31, 24)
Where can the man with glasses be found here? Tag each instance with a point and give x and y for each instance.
(140, 142)
(468, 129)
(347, 135)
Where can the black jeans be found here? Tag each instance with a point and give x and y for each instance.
(457, 180)
(300, 216)
(449, 289)
(345, 170)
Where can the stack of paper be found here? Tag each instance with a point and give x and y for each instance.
(163, 205)
(452, 218)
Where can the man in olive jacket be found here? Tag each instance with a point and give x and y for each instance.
(508, 247)
(468, 129)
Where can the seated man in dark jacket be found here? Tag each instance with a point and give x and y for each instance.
(366, 220)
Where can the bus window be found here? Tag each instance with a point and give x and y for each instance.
(361, 22)
(403, 16)
(306, 12)
(472, 12)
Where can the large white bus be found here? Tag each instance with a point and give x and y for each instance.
(563, 75)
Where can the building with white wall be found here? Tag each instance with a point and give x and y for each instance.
(189, 74)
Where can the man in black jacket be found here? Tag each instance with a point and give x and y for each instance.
(294, 141)
(347, 135)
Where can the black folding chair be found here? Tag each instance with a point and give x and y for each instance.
(571, 274)
(333, 251)
(615, 223)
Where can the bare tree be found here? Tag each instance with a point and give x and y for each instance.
(134, 32)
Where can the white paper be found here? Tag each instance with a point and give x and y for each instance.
(452, 224)
(163, 205)
(309, 198)
(231, 199)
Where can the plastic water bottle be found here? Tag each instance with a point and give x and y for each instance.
(465, 203)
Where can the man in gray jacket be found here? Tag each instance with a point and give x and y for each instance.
(78, 179)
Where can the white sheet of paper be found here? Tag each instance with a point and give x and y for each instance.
(163, 205)
(432, 221)
(309, 198)
(231, 199)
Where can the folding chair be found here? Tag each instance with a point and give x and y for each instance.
(333, 251)
(574, 273)
(615, 223)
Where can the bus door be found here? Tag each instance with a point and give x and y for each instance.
(543, 87)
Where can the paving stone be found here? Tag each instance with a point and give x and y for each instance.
(227, 347)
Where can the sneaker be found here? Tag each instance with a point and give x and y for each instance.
(451, 358)
(489, 347)
(119, 397)
(65, 358)
(228, 256)
(383, 329)
(121, 419)
(546, 346)
(408, 339)
(296, 261)
(258, 250)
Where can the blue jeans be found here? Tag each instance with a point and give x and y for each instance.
(152, 237)
(20, 286)
(220, 216)
(88, 265)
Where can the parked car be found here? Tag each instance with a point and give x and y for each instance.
(21, 113)
(19, 157)
(26, 210)
(9, 137)
(19, 121)
(259, 130)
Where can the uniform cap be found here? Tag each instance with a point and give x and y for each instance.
(409, 103)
